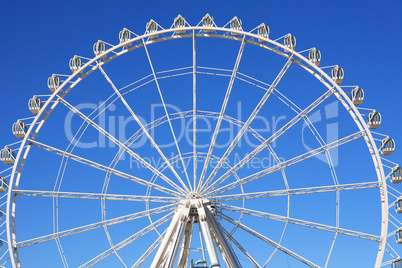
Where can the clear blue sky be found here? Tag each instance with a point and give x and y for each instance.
(363, 37)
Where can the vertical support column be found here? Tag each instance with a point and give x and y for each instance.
(202, 220)
(223, 244)
(156, 263)
(167, 252)
(185, 251)
(174, 245)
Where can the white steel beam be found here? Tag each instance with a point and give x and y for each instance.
(123, 146)
(249, 120)
(93, 226)
(299, 191)
(127, 241)
(225, 248)
(119, 197)
(270, 242)
(185, 248)
(287, 163)
(104, 168)
(222, 112)
(270, 140)
(142, 126)
(308, 224)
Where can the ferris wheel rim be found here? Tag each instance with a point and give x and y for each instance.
(342, 97)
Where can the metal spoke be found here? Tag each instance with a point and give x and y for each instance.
(271, 139)
(239, 246)
(309, 224)
(142, 126)
(194, 112)
(288, 163)
(249, 121)
(222, 112)
(169, 121)
(330, 251)
(94, 226)
(136, 198)
(149, 250)
(104, 168)
(269, 241)
(122, 146)
(127, 241)
(299, 191)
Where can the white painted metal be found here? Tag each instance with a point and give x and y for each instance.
(62, 89)
(223, 109)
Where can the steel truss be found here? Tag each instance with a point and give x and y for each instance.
(184, 203)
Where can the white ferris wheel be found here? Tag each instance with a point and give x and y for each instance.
(200, 146)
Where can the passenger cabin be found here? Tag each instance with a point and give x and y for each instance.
(398, 236)
(99, 48)
(235, 24)
(3, 188)
(19, 129)
(396, 174)
(179, 24)
(337, 75)
(53, 82)
(7, 156)
(35, 104)
(208, 21)
(290, 42)
(387, 146)
(75, 64)
(263, 32)
(315, 56)
(397, 263)
(357, 95)
(152, 28)
(374, 120)
(124, 36)
(398, 205)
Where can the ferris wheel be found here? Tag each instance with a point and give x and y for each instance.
(200, 146)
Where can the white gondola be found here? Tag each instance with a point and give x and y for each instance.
(53, 82)
(19, 129)
(124, 36)
(179, 24)
(75, 64)
(387, 146)
(3, 188)
(35, 104)
(397, 263)
(396, 174)
(315, 56)
(208, 21)
(152, 27)
(235, 24)
(263, 31)
(7, 156)
(398, 236)
(357, 95)
(99, 48)
(1, 217)
(374, 120)
(337, 74)
(398, 205)
(290, 41)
